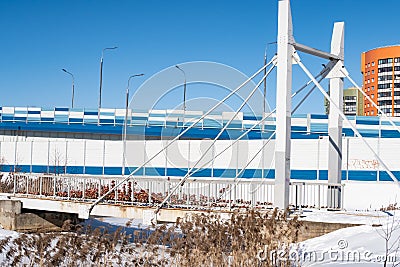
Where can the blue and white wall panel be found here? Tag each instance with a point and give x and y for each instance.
(361, 161)
(304, 163)
(113, 158)
(8, 153)
(46, 115)
(94, 156)
(24, 153)
(7, 113)
(76, 116)
(177, 158)
(76, 156)
(156, 166)
(157, 117)
(391, 148)
(107, 115)
(199, 156)
(40, 156)
(33, 114)
(225, 165)
(135, 154)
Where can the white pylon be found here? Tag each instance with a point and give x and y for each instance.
(335, 122)
(285, 51)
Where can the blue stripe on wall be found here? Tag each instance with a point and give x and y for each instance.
(176, 172)
(115, 171)
(75, 169)
(353, 175)
(93, 170)
(323, 175)
(362, 175)
(304, 174)
(149, 171)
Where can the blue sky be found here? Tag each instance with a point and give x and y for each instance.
(39, 38)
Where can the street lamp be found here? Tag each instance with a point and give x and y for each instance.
(101, 70)
(73, 87)
(126, 121)
(184, 88)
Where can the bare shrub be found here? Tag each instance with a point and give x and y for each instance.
(207, 240)
(6, 184)
(199, 240)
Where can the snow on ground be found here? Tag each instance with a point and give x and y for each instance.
(352, 217)
(354, 246)
(120, 221)
(5, 233)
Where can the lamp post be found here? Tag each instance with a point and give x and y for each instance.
(265, 83)
(73, 86)
(184, 88)
(101, 70)
(126, 121)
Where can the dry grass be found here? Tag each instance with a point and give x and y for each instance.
(202, 240)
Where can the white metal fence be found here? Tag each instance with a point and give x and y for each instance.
(148, 191)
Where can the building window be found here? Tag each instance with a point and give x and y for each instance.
(368, 89)
(373, 71)
(373, 64)
(372, 112)
(373, 80)
(372, 96)
(373, 88)
(368, 65)
(385, 61)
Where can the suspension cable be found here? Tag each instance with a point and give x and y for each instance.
(370, 100)
(189, 173)
(181, 134)
(347, 120)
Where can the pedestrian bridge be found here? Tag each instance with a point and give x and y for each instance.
(139, 197)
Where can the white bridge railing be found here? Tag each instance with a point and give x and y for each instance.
(198, 193)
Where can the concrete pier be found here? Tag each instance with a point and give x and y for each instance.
(14, 217)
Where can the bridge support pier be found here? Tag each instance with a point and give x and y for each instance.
(14, 217)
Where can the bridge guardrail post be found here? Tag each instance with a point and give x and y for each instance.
(319, 197)
(83, 188)
(40, 185)
(99, 187)
(188, 193)
(208, 195)
(149, 191)
(15, 184)
(230, 199)
(54, 186)
(342, 196)
(69, 187)
(116, 195)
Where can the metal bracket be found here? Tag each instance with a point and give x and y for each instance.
(337, 71)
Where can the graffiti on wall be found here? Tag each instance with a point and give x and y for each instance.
(363, 164)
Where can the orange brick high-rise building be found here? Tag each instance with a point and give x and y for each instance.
(381, 80)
